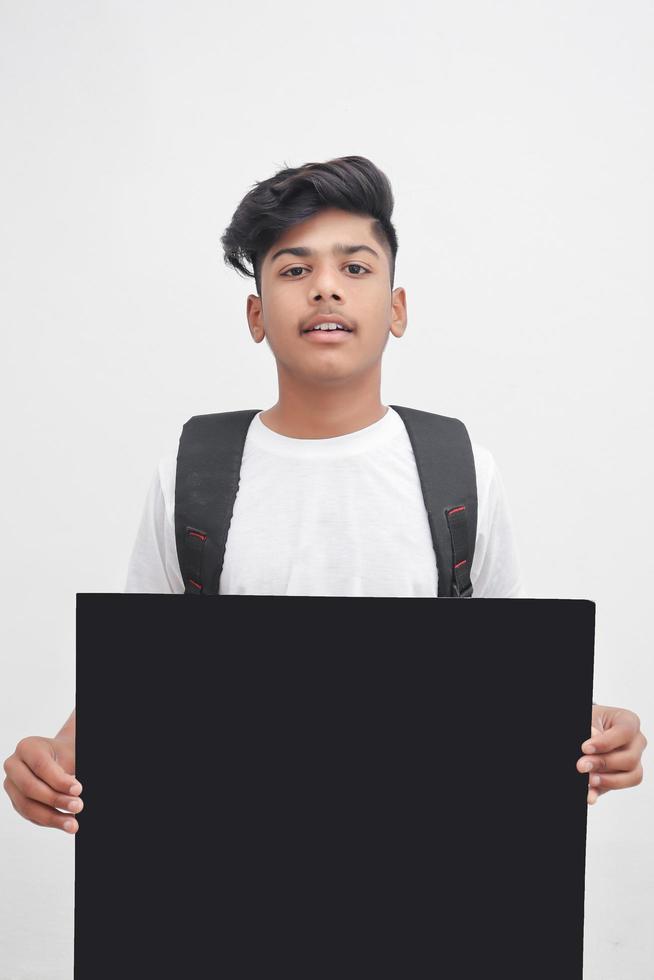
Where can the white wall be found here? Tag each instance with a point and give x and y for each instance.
(518, 139)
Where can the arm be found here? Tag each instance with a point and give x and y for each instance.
(153, 564)
(67, 731)
(496, 572)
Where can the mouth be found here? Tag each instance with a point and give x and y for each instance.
(329, 331)
(326, 336)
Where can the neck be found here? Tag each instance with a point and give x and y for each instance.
(313, 412)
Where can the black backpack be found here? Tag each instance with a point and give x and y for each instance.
(208, 470)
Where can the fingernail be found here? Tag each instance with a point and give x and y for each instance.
(588, 747)
(69, 824)
(586, 765)
(75, 804)
(75, 788)
(594, 780)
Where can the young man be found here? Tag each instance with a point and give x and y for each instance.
(329, 499)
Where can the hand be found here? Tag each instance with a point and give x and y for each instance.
(612, 753)
(40, 778)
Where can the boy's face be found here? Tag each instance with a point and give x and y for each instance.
(354, 286)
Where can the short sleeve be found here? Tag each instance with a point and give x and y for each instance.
(153, 564)
(496, 570)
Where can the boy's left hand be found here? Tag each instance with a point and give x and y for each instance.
(612, 753)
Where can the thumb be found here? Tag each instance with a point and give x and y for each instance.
(615, 735)
(63, 754)
(51, 761)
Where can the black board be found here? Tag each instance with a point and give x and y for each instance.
(300, 787)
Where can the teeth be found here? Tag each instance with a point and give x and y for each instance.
(329, 326)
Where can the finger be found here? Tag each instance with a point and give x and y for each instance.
(588, 746)
(39, 813)
(38, 757)
(622, 761)
(594, 760)
(617, 780)
(619, 733)
(35, 789)
(594, 795)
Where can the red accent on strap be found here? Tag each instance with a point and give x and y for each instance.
(463, 562)
(196, 534)
(196, 584)
(456, 510)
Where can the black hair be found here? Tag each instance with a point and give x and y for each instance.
(295, 194)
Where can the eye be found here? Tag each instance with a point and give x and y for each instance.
(294, 268)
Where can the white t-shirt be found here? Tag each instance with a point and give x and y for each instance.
(342, 516)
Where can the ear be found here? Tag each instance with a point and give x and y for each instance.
(399, 320)
(254, 313)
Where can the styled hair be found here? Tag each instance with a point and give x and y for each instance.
(295, 194)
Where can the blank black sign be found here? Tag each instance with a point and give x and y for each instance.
(309, 787)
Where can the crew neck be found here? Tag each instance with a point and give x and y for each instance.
(350, 443)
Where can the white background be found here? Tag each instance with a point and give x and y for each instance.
(518, 140)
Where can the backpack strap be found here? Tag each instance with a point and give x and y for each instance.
(208, 469)
(446, 467)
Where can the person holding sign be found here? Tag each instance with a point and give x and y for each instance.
(329, 498)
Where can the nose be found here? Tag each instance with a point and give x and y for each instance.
(324, 284)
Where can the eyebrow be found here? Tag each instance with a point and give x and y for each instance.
(302, 250)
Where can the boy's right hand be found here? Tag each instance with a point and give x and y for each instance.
(40, 778)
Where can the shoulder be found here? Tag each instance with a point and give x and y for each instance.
(486, 472)
(167, 472)
(484, 460)
(492, 502)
